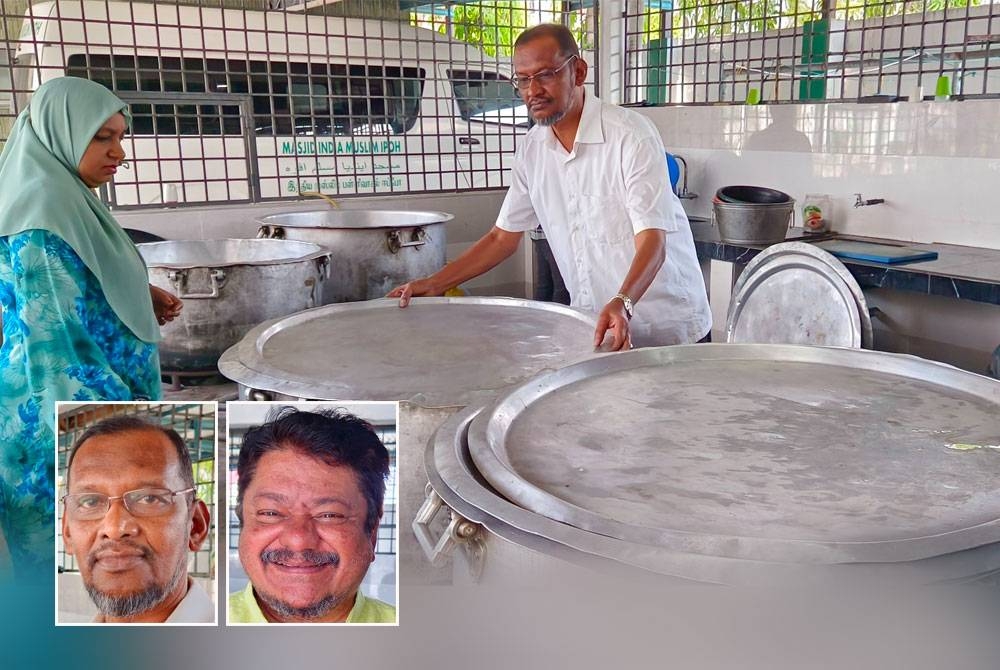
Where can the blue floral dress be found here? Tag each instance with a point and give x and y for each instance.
(61, 341)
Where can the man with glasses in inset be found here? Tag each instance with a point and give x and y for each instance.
(595, 177)
(130, 517)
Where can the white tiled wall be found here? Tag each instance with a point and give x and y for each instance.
(936, 164)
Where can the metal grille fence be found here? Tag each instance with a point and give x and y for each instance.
(195, 423)
(696, 51)
(232, 103)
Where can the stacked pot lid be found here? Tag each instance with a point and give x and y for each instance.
(721, 462)
(436, 352)
(795, 293)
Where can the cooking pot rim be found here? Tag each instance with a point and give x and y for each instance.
(311, 249)
(244, 364)
(766, 193)
(462, 491)
(496, 466)
(396, 219)
(722, 204)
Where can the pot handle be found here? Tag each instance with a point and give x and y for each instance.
(271, 232)
(323, 266)
(179, 280)
(460, 531)
(312, 284)
(436, 550)
(394, 239)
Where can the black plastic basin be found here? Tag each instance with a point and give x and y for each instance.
(755, 195)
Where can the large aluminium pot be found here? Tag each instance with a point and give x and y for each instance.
(372, 251)
(228, 287)
(745, 464)
(436, 356)
(752, 223)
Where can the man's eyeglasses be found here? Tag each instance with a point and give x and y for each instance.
(141, 502)
(523, 82)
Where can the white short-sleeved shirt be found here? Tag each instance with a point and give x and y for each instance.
(197, 606)
(591, 203)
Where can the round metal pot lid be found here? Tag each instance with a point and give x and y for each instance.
(795, 300)
(453, 476)
(758, 452)
(355, 218)
(783, 249)
(181, 254)
(437, 352)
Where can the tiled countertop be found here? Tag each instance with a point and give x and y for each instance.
(967, 273)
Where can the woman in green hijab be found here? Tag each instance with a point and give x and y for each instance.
(78, 315)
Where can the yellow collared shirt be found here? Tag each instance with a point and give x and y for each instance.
(243, 608)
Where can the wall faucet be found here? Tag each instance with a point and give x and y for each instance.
(860, 202)
(683, 192)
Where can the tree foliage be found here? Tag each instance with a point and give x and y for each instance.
(698, 18)
(490, 26)
(493, 25)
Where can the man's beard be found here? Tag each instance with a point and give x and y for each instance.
(138, 602)
(550, 120)
(309, 556)
(288, 611)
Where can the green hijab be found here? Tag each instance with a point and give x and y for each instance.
(40, 188)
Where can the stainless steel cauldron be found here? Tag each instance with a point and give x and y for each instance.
(436, 356)
(727, 463)
(751, 223)
(372, 251)
(228, 287)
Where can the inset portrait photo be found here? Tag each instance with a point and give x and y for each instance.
(135, 513)
(312, 513)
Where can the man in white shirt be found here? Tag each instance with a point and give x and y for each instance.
(595, 177)
(130, 517)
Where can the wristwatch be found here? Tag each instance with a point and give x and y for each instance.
(627, 302)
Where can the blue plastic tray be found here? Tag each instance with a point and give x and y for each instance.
(878, 253)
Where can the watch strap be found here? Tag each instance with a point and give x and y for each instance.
(627, 302)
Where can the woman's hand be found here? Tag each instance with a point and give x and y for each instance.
(166, 306)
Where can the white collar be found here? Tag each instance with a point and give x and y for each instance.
(196, 607)
(589, 131)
